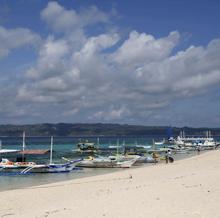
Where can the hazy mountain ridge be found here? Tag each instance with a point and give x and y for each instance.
(96, 129)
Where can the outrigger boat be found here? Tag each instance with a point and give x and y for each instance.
(14, 167)
(32, 167)
(6, 164)
(203, 143)
(114, 161)
(159, 142)
(87, 147)
(51, 167)
(106, 162)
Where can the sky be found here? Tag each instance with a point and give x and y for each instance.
(145, 62)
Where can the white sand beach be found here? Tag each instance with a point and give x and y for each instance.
(185, 188)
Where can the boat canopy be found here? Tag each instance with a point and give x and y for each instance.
(5, 151)
(35, 152)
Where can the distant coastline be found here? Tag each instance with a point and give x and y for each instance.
(97, 129)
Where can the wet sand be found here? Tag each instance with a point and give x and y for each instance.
(185, 188)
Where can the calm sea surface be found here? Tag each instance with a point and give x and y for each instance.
(63, 147)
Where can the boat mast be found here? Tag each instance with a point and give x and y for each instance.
(23, 145)
(98, 142)
(117, 149)
(208, 134)
(51, 149)
(154, 145)
(123, 149)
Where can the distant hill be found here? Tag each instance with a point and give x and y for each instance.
(96, 129)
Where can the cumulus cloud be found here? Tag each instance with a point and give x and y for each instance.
(15, 38)
(104, 78)
(61, 19)
(185, 73)
(141, 48)
(109, 87)
(51, 59)
(112, 114)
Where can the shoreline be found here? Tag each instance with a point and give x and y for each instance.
(13, 181)
(185, 188)
(117, 170)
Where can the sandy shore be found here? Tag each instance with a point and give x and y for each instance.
(186, 188)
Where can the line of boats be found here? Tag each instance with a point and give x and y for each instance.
(131, 155)
(24, 167)
(202, 143)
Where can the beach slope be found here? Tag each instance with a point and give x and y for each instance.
(185, 188)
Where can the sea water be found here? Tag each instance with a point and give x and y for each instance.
(63, 147)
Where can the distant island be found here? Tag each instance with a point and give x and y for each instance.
(98, 129)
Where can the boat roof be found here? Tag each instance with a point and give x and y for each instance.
(160, 150)
(4, 151)
(86, 143)
(37, 151)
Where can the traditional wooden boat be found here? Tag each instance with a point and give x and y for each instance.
(32, 167)
(107, 162)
